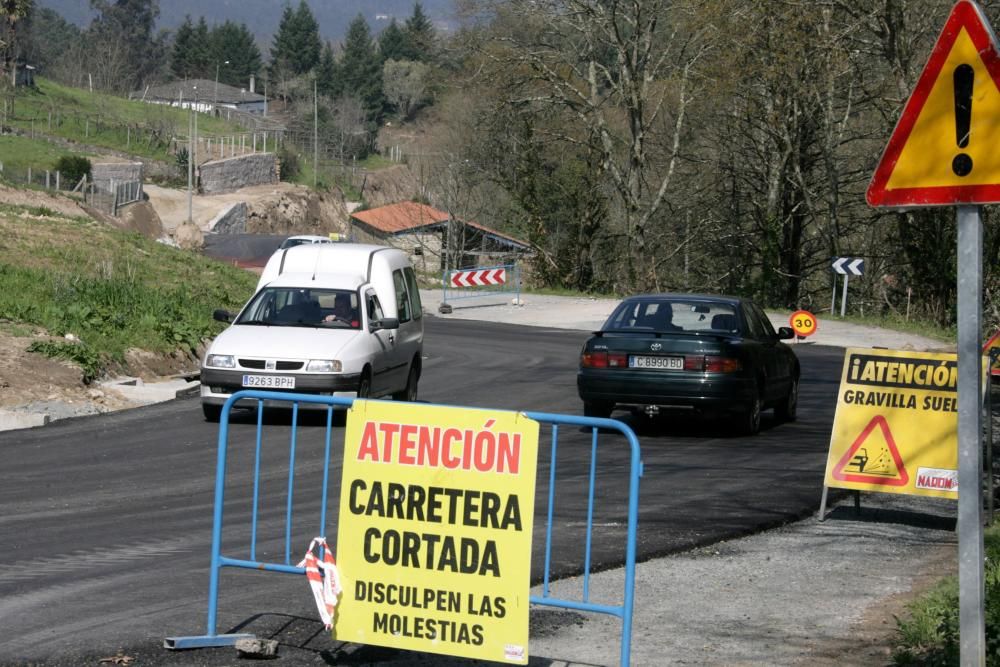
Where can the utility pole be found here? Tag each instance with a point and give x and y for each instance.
(315, 131)
(215, 95)
(190, 153)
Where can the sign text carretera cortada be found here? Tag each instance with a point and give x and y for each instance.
(896, 424)
(434, 541)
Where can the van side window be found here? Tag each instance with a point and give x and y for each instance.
(411, 284)
(402, 300)
(374, 308)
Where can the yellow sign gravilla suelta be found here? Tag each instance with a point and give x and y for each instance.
(434, 541)
(896, 427)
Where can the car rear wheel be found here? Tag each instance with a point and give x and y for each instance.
(599, 409)
(212, 412)
(749, 423)
(409, 393)
(788, 409)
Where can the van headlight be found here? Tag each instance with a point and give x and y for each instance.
(323, 366)
(220, 361)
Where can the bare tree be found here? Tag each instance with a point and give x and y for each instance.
(621, 73)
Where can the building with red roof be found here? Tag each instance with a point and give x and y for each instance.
(425, 232)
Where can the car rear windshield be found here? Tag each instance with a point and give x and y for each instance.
(302, 307)
(674, 315)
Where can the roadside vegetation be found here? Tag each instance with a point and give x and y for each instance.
(99, 291)
(929, 635)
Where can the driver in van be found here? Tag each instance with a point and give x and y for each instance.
(343, 311)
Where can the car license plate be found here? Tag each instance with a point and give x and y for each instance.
(269, 381)
(670, 363)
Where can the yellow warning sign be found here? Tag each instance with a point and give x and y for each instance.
(434, 536)
(942, 149)
(896, 424)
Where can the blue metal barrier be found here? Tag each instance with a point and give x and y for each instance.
(218, 560)
(511, 282)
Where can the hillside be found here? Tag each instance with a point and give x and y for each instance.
(262, 16)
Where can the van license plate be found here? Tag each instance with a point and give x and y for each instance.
(670, 363)
(269, 381)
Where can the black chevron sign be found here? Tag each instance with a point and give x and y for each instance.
(851, 266)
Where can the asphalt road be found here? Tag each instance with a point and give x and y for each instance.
(106, 520)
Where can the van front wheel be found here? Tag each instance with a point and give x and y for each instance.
(365, 385)
(212, 412)
(409, 393)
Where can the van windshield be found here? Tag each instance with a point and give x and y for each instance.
(302, 307)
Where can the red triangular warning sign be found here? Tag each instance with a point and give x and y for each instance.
(943, 150)
(884, 467)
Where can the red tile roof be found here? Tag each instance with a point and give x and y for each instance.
(400, 217)
(407, 215)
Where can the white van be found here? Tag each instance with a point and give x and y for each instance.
(340, 319)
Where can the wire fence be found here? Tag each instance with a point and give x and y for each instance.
(107, 197)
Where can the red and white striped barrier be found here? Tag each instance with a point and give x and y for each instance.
(479, 277)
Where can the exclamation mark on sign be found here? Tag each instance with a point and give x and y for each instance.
(963, 78)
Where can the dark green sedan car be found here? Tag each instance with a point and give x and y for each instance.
(714, 354)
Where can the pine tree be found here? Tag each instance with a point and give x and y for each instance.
(326, 73)
(392, 43)
(200, 54)
(180, 52)
(419, 32)
(235, 43)
(361, 68)
(283, 45)
(307, 42)
(297, 45)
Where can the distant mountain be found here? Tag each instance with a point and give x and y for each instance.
(262, 16)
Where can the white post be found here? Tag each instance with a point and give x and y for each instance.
(57, 180)
(47, 185)
(843, 298)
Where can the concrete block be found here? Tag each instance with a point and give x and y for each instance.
(14, 420)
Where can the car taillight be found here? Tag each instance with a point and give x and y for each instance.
(603, 360)
(721, 364)
(711, 364)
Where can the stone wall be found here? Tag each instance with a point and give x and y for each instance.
(102, 173)
(233, 220)
(234, 173)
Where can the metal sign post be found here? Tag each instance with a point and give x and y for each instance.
(970, 430)
(845, 266)
(843, 297)
(941, 153)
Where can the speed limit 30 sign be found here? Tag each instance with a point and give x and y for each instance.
(803, 323)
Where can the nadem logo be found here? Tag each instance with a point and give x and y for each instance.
(939, 479)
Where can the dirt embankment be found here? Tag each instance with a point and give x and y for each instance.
(389, 186)
(280, 208)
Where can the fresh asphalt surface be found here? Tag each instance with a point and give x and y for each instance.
(106, 520)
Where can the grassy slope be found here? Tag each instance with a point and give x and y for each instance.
(114, 290)
(101, 120)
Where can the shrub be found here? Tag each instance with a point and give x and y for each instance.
(181, 157)
(73, 168)
(86, 358)
(290, 163)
